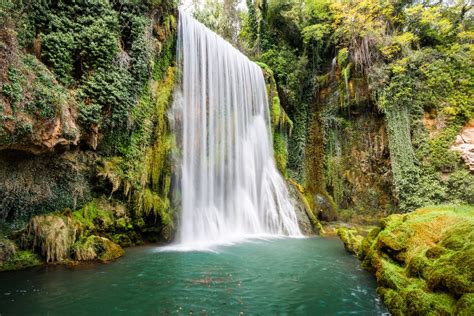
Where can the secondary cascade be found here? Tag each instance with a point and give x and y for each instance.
(230, 186)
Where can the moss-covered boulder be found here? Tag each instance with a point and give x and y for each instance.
(96, 248)
(12, 258)
(423, 261)
(82, 235)
(52, 235)
(351, 239)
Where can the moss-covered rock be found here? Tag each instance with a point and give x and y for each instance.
(12, 258)
(423, 260)
(96, 248)
(352, 241)
(307, 221)
(465, 305)
(52, 235)
(103, 215)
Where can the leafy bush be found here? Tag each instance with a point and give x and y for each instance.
(98, 40)
(58, 51)
(13, 89)
(109, 89)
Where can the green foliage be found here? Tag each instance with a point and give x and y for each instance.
(43, 103)
(58, 52)
(461, 187)
(12, 258)
(316, 32)
(143, 171)
(223, 17)
(441, 157)
(432, 26)
(109, 89)
(90, 115)
(104, 50)
(13, 89)
(428, 79)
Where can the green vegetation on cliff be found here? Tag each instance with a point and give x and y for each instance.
(84, 91)
(377, 92)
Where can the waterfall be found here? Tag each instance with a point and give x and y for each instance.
(230, 186)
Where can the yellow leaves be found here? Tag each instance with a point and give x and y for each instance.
(390, 51)
(466, 36)
(405, 39)
(399, 67)
(430, 19)
(401, 43)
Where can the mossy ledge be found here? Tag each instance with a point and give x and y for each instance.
(423, 261)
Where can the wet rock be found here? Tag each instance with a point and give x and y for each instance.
(309, 225)
(350, 238)
(12, 258)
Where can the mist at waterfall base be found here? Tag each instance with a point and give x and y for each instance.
(313, 276)
(230, 186)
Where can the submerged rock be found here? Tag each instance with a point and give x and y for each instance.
(423, 261)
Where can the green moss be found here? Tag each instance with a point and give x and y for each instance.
(419, 302)
(12, 258)
(96, 248)
(423, 260)
(122, 239)
(281, 152)
(465, 305)
(52, 235)
(143, 172)
(351, 239)
(367, 242)
(391, 275)
(416, 266)
(282, 125)
(21, 260)
(96, 215)
(393, 300)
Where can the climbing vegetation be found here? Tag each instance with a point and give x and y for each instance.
(143, 172)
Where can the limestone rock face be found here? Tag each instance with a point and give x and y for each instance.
(34, 184)
(465, 144)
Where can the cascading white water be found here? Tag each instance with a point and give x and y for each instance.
(230, 186)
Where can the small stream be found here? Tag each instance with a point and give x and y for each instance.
(313, 276)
